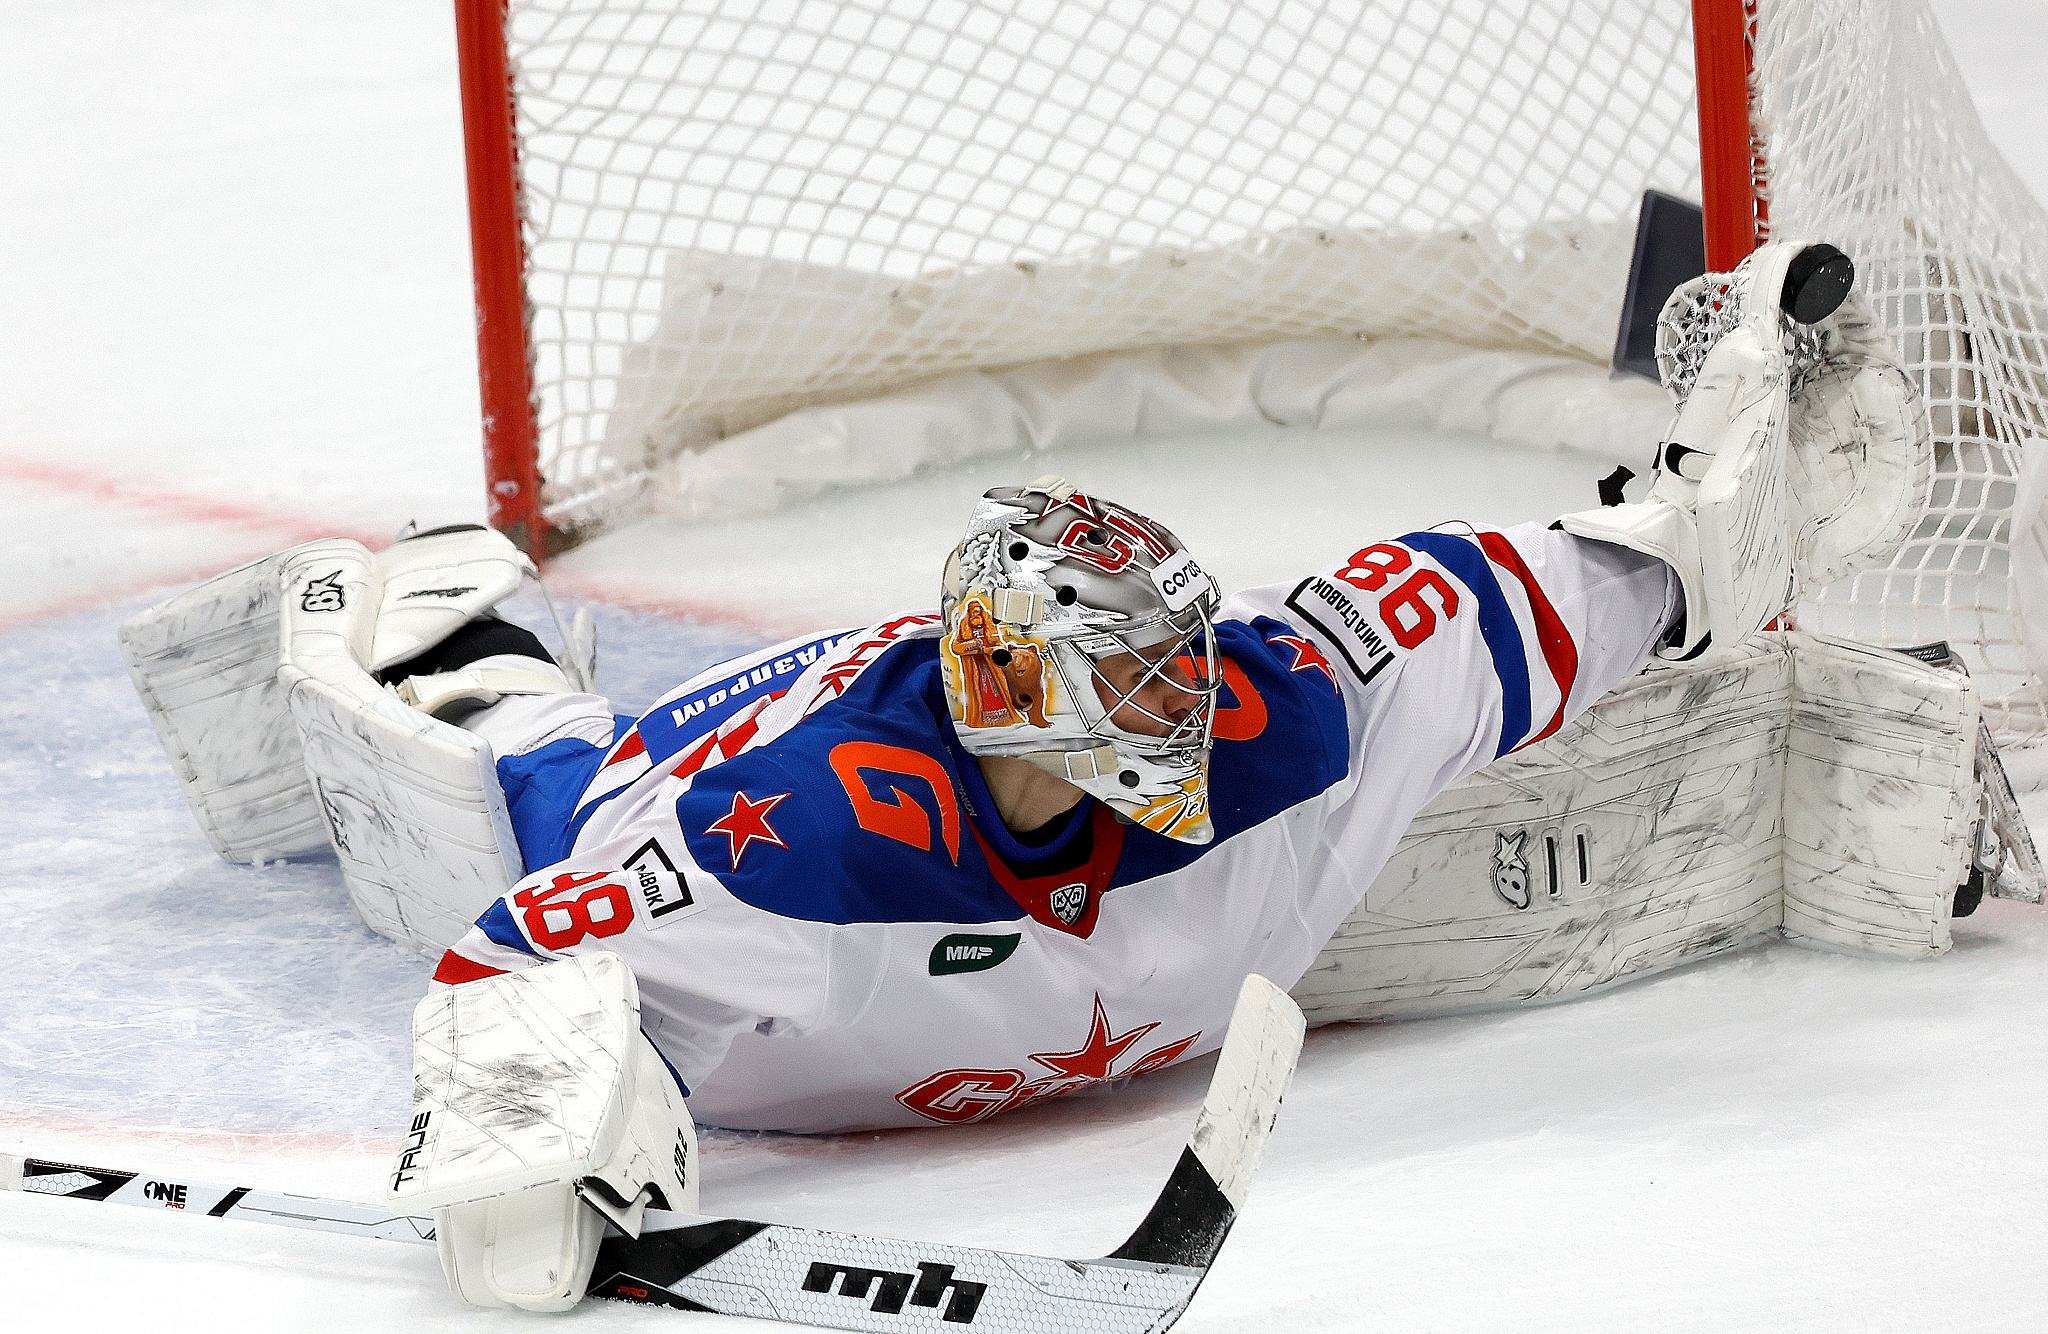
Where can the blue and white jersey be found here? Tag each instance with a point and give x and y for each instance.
(833, 930)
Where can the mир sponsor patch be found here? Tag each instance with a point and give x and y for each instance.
(962, 953)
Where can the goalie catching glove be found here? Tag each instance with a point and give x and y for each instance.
(1800, 453)
(540, 1112)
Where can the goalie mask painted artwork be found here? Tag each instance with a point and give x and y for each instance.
(999, 677)
(1079, 635)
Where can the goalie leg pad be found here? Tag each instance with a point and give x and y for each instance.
(435, 626)
(1824, 790)
(205, 664)
(413, 806)
(1882, 799)
(540, 1111)
(434, 584)
(1643, 836)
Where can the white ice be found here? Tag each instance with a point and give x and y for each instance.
(237, 315)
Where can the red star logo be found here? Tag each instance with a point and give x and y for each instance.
(1307, 657)
(1097, 1054)
(746, 824)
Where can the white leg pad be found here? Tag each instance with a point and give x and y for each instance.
(1806, 787)
(205, 665)
(413, 806)
(1643, 836)
(431, 586)
(1882, 763)
(540, 1110)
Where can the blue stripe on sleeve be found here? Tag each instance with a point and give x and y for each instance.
(1497, 625)
(497, 923)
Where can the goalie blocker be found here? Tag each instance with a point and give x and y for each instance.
(540, 1112)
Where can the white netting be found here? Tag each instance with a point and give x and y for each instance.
(1874, 144)
(741, 207)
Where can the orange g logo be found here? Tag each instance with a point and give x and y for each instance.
(902, 818)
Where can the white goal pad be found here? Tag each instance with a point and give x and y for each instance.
(257, 683)
(1881, 762)
(205, 665)
(1643, 835)
(1809, 788)
(412, 805)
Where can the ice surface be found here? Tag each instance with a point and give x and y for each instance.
(238, 316)
(154, 985)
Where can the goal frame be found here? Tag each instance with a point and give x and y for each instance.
(1734, 189)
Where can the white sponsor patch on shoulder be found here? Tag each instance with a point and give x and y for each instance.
(664, 889)
(1180, 581)
(1337, 611)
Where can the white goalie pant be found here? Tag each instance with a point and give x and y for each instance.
(1806, 787)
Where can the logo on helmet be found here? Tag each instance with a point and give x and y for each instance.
(1181, 582)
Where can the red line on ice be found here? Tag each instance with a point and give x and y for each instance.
(276, 527)
(632, 598)
(279, 528)
(189, 506)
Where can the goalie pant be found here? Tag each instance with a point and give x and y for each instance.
(833, 931)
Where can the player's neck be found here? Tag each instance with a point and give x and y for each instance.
(1026, 796)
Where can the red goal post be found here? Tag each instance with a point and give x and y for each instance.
(497, 245)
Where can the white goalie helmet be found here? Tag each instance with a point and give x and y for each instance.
(1043, 598)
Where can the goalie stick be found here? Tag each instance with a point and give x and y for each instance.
(846, 1281)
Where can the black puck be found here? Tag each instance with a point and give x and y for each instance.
(1816, 283)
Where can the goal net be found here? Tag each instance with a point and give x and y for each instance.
(732, 210)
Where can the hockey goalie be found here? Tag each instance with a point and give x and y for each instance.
(930, 870)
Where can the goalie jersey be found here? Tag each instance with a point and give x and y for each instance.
(832, 929)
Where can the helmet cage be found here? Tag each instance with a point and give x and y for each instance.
(1100, 699)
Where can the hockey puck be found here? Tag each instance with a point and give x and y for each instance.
(1816, 283)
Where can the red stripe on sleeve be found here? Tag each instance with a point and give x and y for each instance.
(634, 744)
(455, 970)
(1560, 654)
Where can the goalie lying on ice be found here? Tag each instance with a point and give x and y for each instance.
(940, 867)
